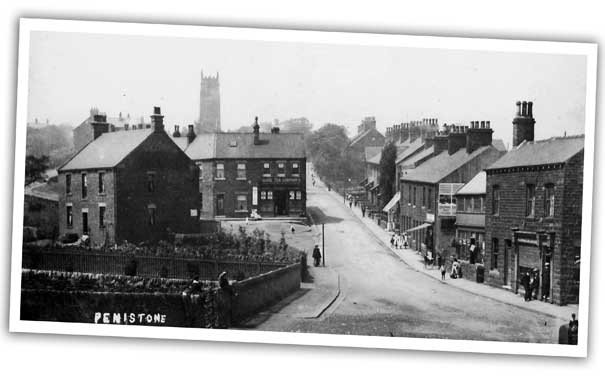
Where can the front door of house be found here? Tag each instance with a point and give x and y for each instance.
(220, 204)
(85, 222)
(280, 198)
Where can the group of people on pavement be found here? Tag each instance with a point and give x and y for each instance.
(399, 241)
(531, 282)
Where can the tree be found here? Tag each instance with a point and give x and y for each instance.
(327, 150)
(35, 167)
(387, 170)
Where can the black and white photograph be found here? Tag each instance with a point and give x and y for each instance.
(303, 187)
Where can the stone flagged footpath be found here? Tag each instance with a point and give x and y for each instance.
(415, 260)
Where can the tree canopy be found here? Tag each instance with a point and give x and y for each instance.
(387, 172)
(35, 167)
(327, 150)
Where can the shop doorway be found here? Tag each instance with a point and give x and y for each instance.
(280, 203)
(220, 204)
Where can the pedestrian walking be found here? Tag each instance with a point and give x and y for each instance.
(525, 282)
(572, 330)
(225, 297)
(442, 269)
(316, 255)
(535, 284)
(350, 203)
(546, 282)
(363, 211)
(392, 240)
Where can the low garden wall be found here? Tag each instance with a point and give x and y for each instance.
(89, 298)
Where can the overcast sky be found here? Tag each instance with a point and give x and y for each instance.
(71, 72)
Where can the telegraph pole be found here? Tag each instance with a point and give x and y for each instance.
(323, 244)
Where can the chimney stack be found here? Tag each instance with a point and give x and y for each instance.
(523, 123)
(456, 139)
(190, 134)
(256, 130)
(157, 120)
(479, 135)
(99, 125)
(414, 131)
(177, 132)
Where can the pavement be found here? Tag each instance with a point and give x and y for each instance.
(413, 259)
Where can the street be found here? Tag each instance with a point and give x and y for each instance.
(382, 296)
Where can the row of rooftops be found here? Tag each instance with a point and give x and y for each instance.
(109, 148)
(427, 154)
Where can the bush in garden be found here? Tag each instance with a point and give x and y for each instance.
(131, 267)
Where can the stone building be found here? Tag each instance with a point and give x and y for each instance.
(245, 172)
(84, 132)
(427, 187)
(367, 136)
(534, 212)
(135, 185)
(470, 220)
(210, 105)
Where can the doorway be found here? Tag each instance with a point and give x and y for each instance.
(84, 222)
(220, 204)
(280, 203)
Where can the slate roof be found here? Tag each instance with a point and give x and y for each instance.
(436, 168)
(362, 135)
(107, 150)
(232, 145)
(543, 152)
(426, 153)
(376, 159)
(46, 190)
(475, 186)
(413, 147)
(370, 152)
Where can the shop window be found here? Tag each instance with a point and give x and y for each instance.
(298, 195)
(269, 195)
(241, 202)
(292, 195)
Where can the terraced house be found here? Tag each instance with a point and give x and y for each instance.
(244, 172)
(534, 212)
(134, 185)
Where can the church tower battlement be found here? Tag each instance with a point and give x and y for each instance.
(210, 104)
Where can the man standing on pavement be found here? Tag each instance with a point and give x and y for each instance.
(316, 255)
(572, 330)
(363, 211)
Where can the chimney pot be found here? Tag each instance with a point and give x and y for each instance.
(190, 134)
(524, 108)
(157, 120)
(482, 124)
(530, 112)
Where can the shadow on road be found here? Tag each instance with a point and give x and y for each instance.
(319, 217)
(264, 315)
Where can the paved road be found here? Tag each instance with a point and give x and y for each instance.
(383, 296)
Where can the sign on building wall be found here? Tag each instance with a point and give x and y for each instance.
(254, 195)
(447, 201)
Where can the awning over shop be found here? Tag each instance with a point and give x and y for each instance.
(392, 202)
(374, 188)
(369, 184)
(425, 225)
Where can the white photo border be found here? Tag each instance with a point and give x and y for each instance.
(28, 25)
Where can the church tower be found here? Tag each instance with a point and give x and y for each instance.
(210, 105)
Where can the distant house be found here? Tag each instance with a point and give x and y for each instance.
(252, 171)
(41, 208)
(470, 220)
(534, 212)
(367, 136)
(84, 132)
(134, 185)
(427, 187)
